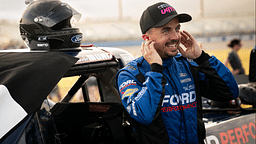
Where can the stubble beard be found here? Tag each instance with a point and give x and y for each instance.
(170, 49)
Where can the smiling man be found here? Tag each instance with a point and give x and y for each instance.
(162, 90)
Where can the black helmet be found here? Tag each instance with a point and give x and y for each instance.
(46, 25)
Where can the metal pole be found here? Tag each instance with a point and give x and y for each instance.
(120, 10)
(201, 8)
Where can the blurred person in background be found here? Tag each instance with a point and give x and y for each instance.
(233, 58)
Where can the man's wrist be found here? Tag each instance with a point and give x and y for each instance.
(202, 58)
(155, 67)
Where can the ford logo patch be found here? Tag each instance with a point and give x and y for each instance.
(76, 39)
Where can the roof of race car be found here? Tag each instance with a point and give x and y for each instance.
(91, 58)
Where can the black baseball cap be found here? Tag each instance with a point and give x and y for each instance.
(160, 14)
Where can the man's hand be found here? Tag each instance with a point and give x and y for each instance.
(193, 50)
(149, 53)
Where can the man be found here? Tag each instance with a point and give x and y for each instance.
(233, 58)
(162, 90)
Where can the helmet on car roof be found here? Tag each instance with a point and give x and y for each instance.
(47, 25)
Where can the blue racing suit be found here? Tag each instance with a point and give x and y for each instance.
(164, 102)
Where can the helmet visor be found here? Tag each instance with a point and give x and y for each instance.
(56, 14)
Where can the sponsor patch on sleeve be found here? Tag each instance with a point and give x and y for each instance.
(126, 84)
(129, 92)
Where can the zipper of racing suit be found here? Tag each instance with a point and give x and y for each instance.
(179, 103)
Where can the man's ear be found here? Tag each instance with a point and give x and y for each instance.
(145, 37)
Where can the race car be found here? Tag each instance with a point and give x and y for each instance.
(100, 120)
(81, 122)
(234, 121)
